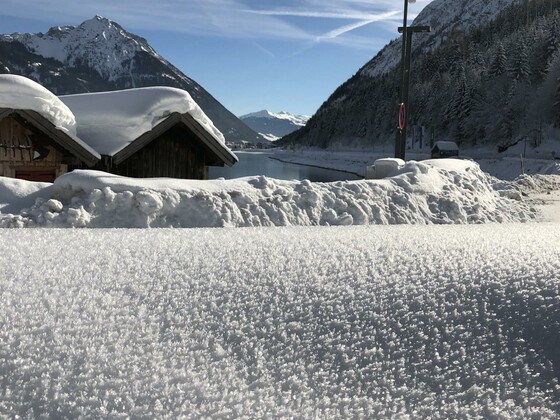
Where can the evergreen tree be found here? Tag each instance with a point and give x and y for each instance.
(556, 104)
(520, 66)
(498, 66)
(538, 56)
(463, 107)
(553, 34)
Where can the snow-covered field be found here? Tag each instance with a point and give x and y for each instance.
(307, 322)
(448, 315)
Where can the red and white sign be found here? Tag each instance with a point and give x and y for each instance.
(402, 116)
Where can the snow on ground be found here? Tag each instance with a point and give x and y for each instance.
(16, 194)
(348, 322)
(309, 322)
(435, 192)
(549, 205)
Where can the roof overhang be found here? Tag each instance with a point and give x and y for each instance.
(220, 150)
(446, 145)
(58, 136)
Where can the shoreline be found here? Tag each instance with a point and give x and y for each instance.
(505, 167)
(317, 166)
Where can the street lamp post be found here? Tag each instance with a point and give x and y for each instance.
(400, 143)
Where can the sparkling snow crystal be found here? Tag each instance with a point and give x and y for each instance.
(351, 322)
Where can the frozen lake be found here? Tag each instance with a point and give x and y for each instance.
(260, 163)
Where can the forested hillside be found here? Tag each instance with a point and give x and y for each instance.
(494, 84)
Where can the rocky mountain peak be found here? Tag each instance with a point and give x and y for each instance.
(80, 46)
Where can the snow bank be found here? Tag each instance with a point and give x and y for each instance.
(436, 192)
(109, 121)
(17, 194)
(330, 323)
(19, 92)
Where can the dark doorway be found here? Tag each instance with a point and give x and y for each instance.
(36, 175)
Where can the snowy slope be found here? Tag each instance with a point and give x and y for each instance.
(388, 322)
(444, 17)
(274, 125)
(350, 119)
(298, 120)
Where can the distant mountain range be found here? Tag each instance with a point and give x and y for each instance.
(274, 125)
(488, 73)
(100, 55)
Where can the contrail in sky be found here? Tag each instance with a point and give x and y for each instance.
(347, 28)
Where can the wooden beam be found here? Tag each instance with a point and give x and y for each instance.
(59, 137)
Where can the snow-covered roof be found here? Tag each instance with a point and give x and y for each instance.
(21, 93)
(110, 121)
(105, 123)
(446, 145)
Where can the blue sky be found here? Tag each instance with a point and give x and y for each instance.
(281, 55)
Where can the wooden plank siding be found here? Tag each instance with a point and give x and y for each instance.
(24, 150)
(174, 154)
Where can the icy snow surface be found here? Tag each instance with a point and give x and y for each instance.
(109, 121)
(348, 322)
(433, 192)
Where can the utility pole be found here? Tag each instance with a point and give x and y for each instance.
(400, 143)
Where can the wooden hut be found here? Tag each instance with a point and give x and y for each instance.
(32, 148)
(149, 132)
(144, 132)
(445, 149)
(178, 147)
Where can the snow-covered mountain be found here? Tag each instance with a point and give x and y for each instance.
(100, 55)
(274, 125)
(98, 43)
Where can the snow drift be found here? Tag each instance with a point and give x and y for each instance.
(434, 192)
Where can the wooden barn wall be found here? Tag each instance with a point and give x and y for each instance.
(19, 147)
(175, 154)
